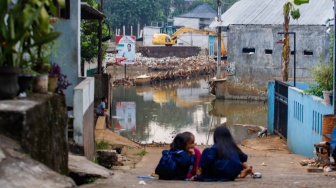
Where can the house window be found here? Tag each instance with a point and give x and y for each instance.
(307, 52)
(248, 51)
(268, 51)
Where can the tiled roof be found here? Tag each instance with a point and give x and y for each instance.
(202, 11)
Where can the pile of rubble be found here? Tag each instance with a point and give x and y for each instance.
(110, 158)
(168, 68)
(318, 165)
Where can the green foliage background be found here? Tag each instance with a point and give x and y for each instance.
(131, 13)
(89, 37)
(322, 74)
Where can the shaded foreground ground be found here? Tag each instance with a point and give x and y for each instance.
(267, 155)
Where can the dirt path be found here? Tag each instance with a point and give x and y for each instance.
(267, 155)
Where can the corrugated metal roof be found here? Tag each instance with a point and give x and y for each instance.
(270, 12)
(201, 11)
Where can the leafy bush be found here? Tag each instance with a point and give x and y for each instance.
(323, 76)
(323, 73)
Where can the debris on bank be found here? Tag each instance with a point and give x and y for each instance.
(168, 68)
(318, 165)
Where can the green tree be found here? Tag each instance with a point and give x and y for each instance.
(180, 7)
(322, 74)
(128, 12)
(288, 9)
(225, 4)
(89, 37)
(165, 8)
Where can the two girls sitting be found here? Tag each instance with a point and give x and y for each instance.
(224, 161)
(181, 161)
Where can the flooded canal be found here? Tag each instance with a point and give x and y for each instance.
(156, 113)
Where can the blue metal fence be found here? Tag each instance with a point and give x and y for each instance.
(304, 127)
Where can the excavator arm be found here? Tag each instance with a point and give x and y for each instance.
(183, 30)
(223, 49)
(164, 38)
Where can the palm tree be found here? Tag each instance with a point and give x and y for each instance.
(295, 13)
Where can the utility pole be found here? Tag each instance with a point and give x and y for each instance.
(100, 28)
(334, 59)
(219, 37)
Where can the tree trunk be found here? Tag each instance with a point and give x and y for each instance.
(286, 48)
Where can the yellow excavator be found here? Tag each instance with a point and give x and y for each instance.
(168, 36)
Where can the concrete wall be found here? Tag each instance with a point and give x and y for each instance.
(206, 22)
(305, 121)
(304, 124)
(187, 22)
(102, 87)
(256, 69)
(237, 89)
(193, 39)
(188, 39)
(94, 65)
(67, 49)
(148, 33)
(83, 116)
(39, 124)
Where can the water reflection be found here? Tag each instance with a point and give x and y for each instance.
(156, 113)
(125, 116)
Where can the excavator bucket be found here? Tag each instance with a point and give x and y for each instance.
(164, 51)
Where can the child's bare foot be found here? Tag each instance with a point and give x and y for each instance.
(245, 172)
(192, 178)
(154, 175)
(199, 171)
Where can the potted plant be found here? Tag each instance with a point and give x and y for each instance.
(54, 74)
(63, 84)
(322, 74)
(12, 34)
(57, 80)
(25, 78)
(24, 26)
(40, 38)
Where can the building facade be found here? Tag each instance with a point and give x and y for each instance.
(252, 28)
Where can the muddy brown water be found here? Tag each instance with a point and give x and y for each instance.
(156, 113)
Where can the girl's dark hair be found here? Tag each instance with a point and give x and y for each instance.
(103, 98)
(225, 143)
(181, 139)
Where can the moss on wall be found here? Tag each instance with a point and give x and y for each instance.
(39, 123)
